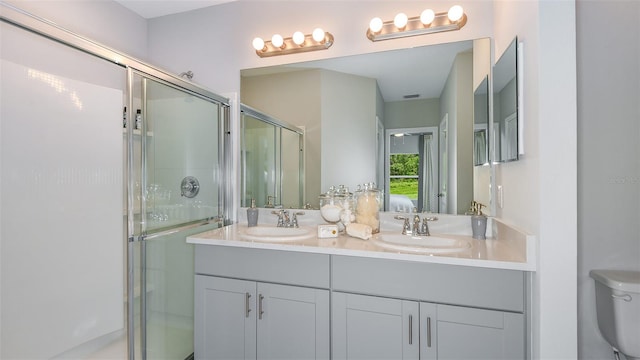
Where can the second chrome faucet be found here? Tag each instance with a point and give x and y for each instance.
(284, 220)
(419, 228)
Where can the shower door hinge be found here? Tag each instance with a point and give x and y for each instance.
(137, 238)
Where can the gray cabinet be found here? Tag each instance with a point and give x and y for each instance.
(240, 319)
(270, 304)
(371, 327)
(225, 318)
(456, 332)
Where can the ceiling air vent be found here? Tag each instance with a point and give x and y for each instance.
(411, 96)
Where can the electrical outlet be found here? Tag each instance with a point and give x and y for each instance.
(500, 196)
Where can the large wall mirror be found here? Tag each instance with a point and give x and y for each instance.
(506, 143)
(357, 109)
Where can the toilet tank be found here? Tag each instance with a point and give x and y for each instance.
(618, 308)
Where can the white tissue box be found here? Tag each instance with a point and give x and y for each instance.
(327, 231)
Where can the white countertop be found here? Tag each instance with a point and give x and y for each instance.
(508, 249)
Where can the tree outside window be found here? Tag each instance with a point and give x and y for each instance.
(404, 175)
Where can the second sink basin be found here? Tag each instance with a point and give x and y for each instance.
(276, 234)
(421, 244)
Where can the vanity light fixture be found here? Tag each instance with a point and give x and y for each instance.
(298, 42)
(427, 23)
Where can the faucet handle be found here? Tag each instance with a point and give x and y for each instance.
(406, 227)
(294, 218)
(424, 228)
(281, 214)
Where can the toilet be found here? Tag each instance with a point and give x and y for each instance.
(618, 310)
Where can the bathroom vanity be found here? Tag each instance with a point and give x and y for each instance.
(346, 298)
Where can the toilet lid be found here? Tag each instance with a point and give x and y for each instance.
(623, 280)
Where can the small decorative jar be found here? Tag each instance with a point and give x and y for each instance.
(368, 203)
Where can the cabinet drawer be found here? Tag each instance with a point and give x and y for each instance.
(438, 283)
(285, 267)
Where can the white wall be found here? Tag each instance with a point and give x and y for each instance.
(106, 22)
(540, 189)
(117, 27)
(348, 129)
(608, 153)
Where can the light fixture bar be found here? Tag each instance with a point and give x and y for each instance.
(290, 47)
(415, 27)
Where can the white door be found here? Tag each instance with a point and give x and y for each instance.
(444, 163)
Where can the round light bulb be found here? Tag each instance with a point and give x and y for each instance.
(375, 25)
(318, 34)
(400, 21)
(427, 17)
(277, 40)
(258, 44)
(298, 38)
(455, 13)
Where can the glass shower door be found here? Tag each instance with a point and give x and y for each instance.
(272, 158)
(176, 182)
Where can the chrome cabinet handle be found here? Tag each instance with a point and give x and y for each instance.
(429, 332)
(625, 297)
(247, 308)
(260, 310)
(410, 329)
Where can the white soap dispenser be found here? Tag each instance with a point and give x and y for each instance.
(478, 221)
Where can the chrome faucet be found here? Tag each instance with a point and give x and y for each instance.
(418, 228)
(285, 221)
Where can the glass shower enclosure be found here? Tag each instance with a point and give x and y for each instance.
(107, 165)
(175, 157)
(272, 156)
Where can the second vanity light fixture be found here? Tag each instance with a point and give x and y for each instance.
(299, 42)
(427, 23)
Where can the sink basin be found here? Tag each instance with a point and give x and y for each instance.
(276, 234)
(421, 244)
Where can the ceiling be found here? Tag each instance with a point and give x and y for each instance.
(149, 9)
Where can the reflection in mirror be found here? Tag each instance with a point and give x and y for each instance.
(272, 170)
(346, 105)
(505, 106)
(481, 123)
(412, 169)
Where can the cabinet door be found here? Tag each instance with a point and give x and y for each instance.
(225, 318)
(369, 327)
(293, 322)
(468, 333)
